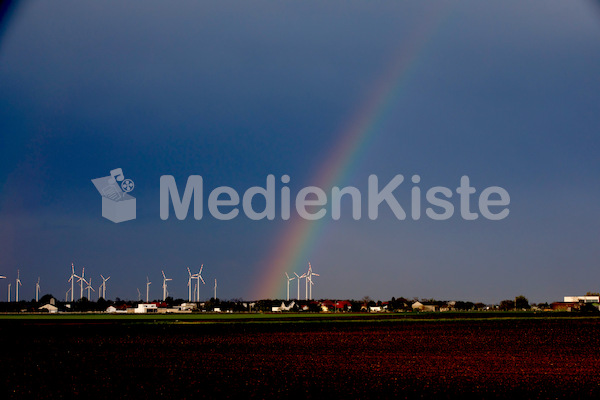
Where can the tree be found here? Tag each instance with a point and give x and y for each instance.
(521, 303)
(507, 305)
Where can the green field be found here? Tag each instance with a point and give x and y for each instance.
(291, 317)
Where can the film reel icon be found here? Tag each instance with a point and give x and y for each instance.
(127, 185)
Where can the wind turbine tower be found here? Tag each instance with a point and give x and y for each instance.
(148, 283)
(189, 284)
(288, 285)
(103, 286)
(298, 281)
(72, 280)
(311, 274)
(198, 279)
(37, 290)
(81, 280)
(89, 287)
(165, 280)
(17, 284)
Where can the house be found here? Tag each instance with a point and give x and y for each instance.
(327, 305)
(343, 305)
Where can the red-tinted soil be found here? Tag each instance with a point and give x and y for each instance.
(534, 358)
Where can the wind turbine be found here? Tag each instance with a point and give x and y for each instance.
(215, 289)
(81, 280)
(37, 290)
(139, 294)
(147, 288)
(198, 279)
(17, 284)
(89, 287)
(189, 284)
(72, 280)
(288, 285)
(103, 286)
(9, 292)
(311, 274)
(165, 280)
(298, 280)
(67, 295)
(306, 278)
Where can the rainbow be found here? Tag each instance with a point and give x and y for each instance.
(298, 240)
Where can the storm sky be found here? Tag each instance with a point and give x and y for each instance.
(507, 93)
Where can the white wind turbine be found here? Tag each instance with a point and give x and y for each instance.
(148, 283)
(9, 292)
(298, 277)
(103, 286)
(288, 285)
(139, 294)
(81, 280)
(215, 289)
(198, 279)
(165, 280)
(67, 295)
(89, 287)
(189, 284)
(37, 290)
(72, 280)
(17, 284)
(310, 275)
(306, 276)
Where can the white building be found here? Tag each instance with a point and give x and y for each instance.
(143, 308)
(582, 299)
(50, 308)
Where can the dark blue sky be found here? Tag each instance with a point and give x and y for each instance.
(506, 93)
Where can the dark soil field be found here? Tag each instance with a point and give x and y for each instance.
(495, 358)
